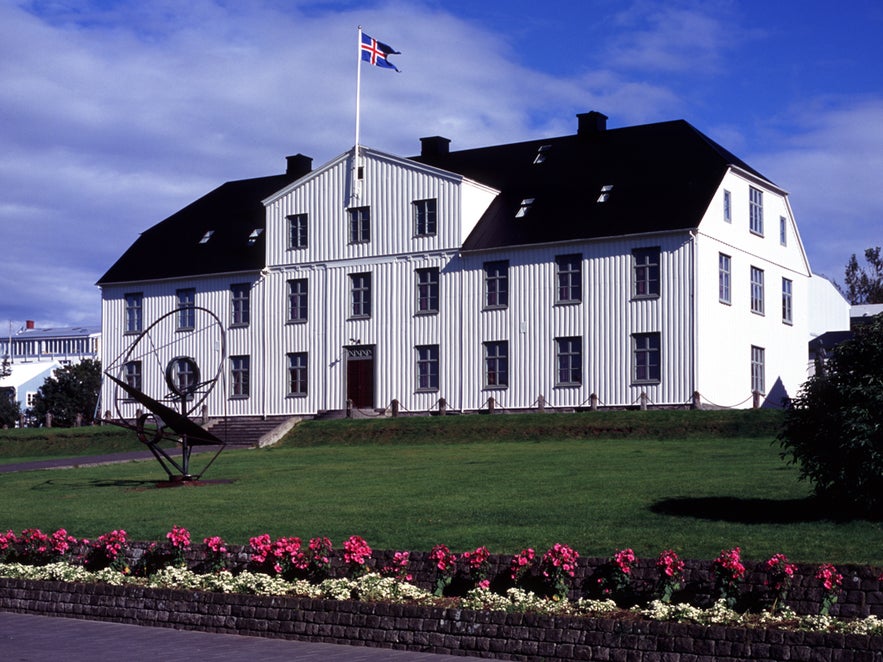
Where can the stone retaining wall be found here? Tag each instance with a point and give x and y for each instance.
(431, 629)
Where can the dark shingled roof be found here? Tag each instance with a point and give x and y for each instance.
(172, 247)
(663, 177)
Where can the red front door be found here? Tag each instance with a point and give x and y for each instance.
(360, 376)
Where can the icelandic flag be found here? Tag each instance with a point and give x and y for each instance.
(376, 52)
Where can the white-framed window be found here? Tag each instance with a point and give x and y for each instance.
(569, 361)
(787, 301)
(496, 284)
(360, 225)
(186, 318)
(134, 312)
(360, 295)
(427, 367)
(755, 210)
(297, 373)
(645, 272)
(427, 290)
(298, 231)
(240, 376)
(240, 304)
(758, 369)
(185, 374)
(568, 276)
(425, 212)
(728, 207)
(723, 277)
(132, 374)
(646, 364)
(757, 291)
(298, 299)
(783, 231)
(496, 364)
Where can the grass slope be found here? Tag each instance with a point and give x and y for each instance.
(527, 481)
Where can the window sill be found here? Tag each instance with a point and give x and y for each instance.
(650, 382)
(568, 385)
(352, 318)
(569, 302)
(239, 397)
(788, 322)
(425, 313)
(500, 387)
(644, 297)
(426, 390)
(184, 329)
(759, 313)
(239, 326)
(488, 308)
(295, 322)
(294, 396)
(726, 303)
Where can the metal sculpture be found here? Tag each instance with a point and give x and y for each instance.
(169, 370)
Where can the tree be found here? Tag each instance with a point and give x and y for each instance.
(70, 391)
(864, 284)
(834, 427)
(10, 410)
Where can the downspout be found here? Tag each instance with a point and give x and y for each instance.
(262, 280)
(694, 322)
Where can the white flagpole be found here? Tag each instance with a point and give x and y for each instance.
(356, 184)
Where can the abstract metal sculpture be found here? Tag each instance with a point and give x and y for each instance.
(162, 372)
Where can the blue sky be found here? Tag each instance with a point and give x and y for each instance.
(115, 114)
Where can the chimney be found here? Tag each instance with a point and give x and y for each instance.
(298, 165)
(29, 325)
(435, 146)
(591, 123)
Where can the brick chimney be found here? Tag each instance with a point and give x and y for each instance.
(591, 123)
(29, 325)
(298, 165)
(435, 146)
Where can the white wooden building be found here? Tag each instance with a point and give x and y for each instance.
(638, 260)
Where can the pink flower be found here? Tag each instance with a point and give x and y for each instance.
(521, 563)
(356, 551)
(831, 579)
(215, 544)
(179, 537)
(670, 564)
(443, 558)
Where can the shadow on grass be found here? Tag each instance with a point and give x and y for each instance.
(749, 511)
(73, 484)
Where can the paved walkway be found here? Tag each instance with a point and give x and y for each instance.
(29, 638)
(95, 460)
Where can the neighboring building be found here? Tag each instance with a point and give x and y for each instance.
(66, 345)
(640, 260)
(25, 379)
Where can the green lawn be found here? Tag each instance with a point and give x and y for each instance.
(597, 494)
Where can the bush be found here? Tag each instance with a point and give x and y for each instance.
(834, 428)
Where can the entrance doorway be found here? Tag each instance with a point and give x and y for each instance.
(360, 376)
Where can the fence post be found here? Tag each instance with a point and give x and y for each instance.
(490, 405)
(349, 408)
(643, 401)
(48, 420)
(541, 403)
(395, 408)
(696, 401)
(442, 406)
(204, 414)
(78, 420)
(755, 399)
(593, 402)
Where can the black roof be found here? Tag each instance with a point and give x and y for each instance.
(172, 248)
(663, 177)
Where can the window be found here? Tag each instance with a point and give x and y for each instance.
(427, 290)
(568, 274)
(297, 374)
(524, 207)
(723, 277)
(427, 368)
(297, 231)
(757, 369)
(253, 236)
(646, 272)
(360, 292)
(783, 231)
(239, 304)
(787, 307)
(208, 235)
(424, 218)
(186, 311)
(646, 358)
(133, 374)
(757, 290)
(496, 364)
(605, 193)
(134, 312)
(569, 359)
(297, 300)
(185, 376)
(496, 284)
(541, 154)
(755, 210)
(360, 225)
(728, 207)
(239, 375)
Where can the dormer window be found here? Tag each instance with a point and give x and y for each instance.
(524, 207)
(605, 193)
(253, 237)
(208, 235)
(541, 154)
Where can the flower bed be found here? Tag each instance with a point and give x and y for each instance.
(476, 602)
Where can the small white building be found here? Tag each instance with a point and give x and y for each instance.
(25, 379)
(612, 266)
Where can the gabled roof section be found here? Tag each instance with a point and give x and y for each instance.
(221, 232)
(598, 183)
